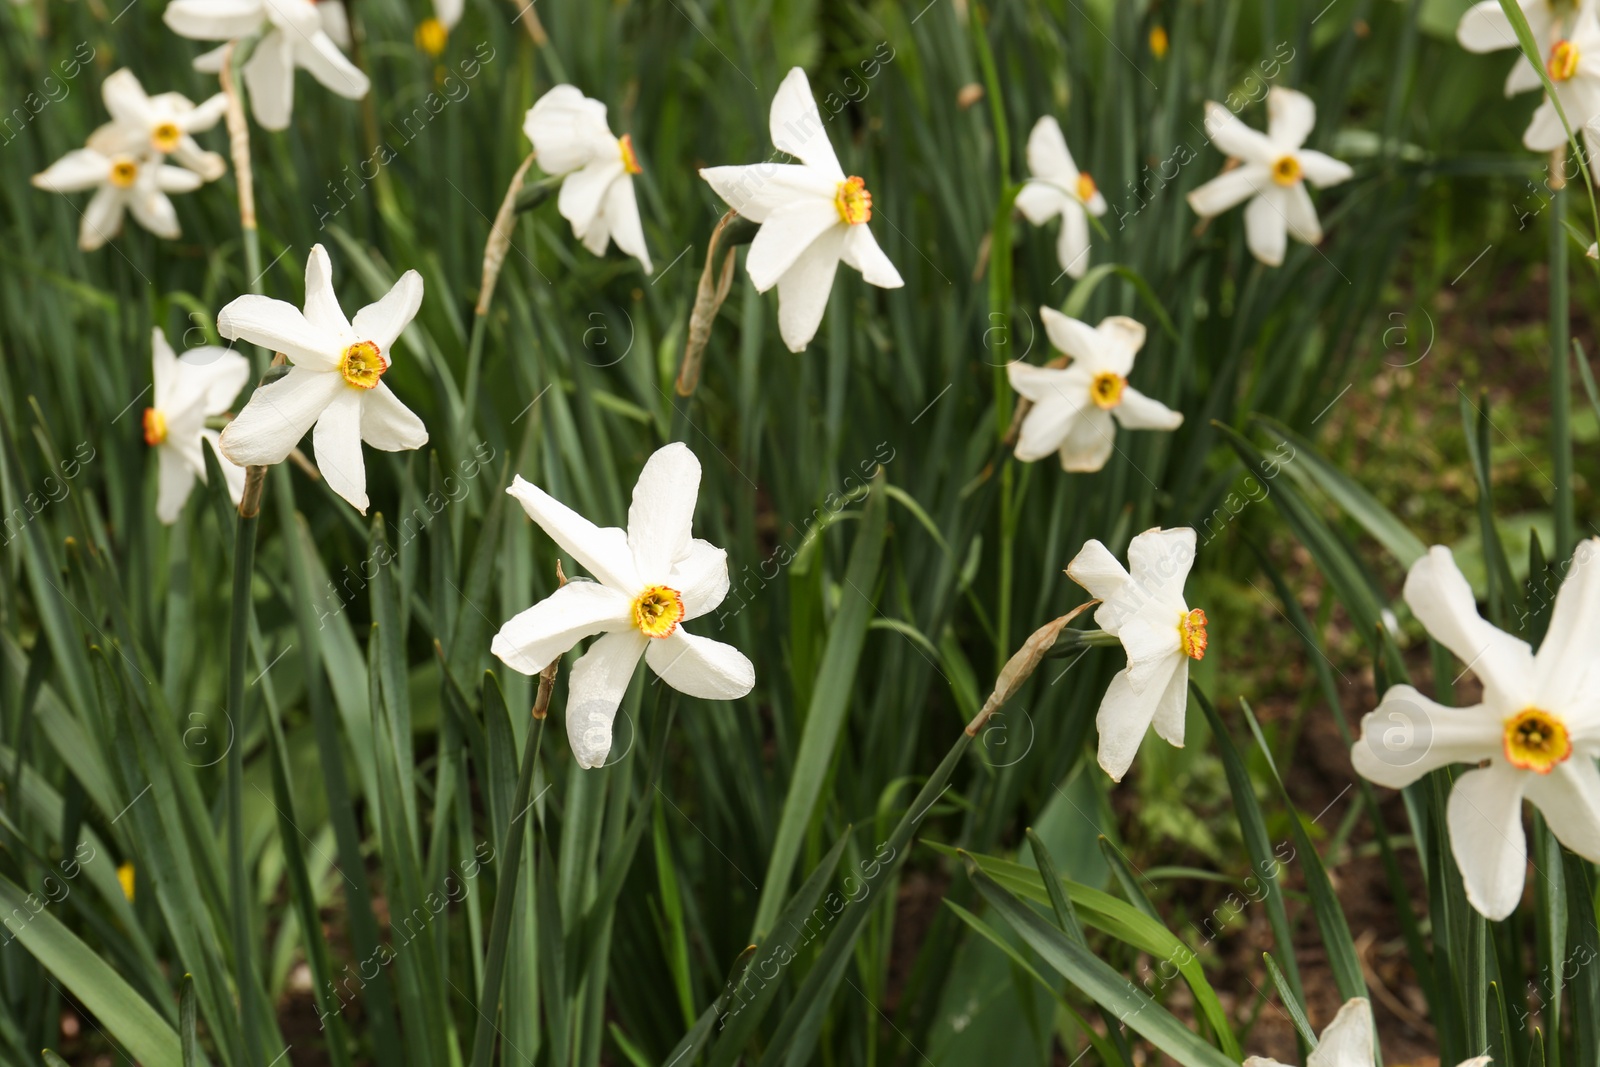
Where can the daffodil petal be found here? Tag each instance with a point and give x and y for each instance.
(1123, 720)
(701, 577)
(214, 375)
(1485, 819)
(381, 323)
(1347, 1041)
(1071, 337)
(1172, 709)
(155, 212)
(803, 290)
(1290, 117)
(1048, 155)
(1159, 562)
(622, 214)
(1140, 412)
(1442, 601)
(1321, 169)
(278, 416)
(585, 190)
(1072, 246)
(1089, 442)
(533, 638)
(279, 327)
(322, 58)
(1041, 201)
(174, 481)
(1565, 659)
(1097, 570)
(125, 99)
(1266, 227)
(1300, 215)
(758, 190)
(269, 79)
(700, 667)
(1121, 339)
(787, 235)
(387, 424)
(337, 440)
(1485, 28)
(1228, 189)
(1234, 138)
(603, 552)
(1409, 735)
(797, 128)
(1569, 797)
(1046, 426)
(862, 252)
(599, 681)
(567, 129)
(102, 218)
(214, 20)
(322, 308)
(80, 169)
(662, 511)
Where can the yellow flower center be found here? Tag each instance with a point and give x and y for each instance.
(1563, 61)
(362, 365)
(853, 201)
(431, 37)
(1192, 634)
(155, 427)
(1106, 390)
(630, 162)
(165, 137)
(1536, 741)
(124, 172)
(1086, 188)
(657, 611)
(1286, 171)
(1158, 42)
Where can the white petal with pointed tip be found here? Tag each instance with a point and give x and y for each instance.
(279, 327)
(337, 439)
(662, 510)
(603, 552)
(700, 667)
(803, 290)
(533, 638)
(1485, 819)
(278, 416)
(382, 323)
(599, 681)
(387, 424)
(797, 128)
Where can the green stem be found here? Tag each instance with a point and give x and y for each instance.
(1560, 381)
(504, 897)
(244, 552)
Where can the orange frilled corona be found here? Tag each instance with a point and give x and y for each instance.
(1192, 634)
(853, 201)
(657, 611)
(1536, 740)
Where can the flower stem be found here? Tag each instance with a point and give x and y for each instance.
(244, 551)
(1560, 381)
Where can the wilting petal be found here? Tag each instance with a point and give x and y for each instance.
(214, 20)
(80, 169)
(1140, 412)
(662, 511)
(758, 190)
(278, 415)
(535, 637)
(701, 667)
(622, 215)
(1090, 441)
(381, 323)
(1234, 138)
(1266, 229)
(797, 127)
(701, 578)
(599, 681)
(787, 235)
(389, 425)
(269, 79)
(1485, 819)
(174, 481)
(279, 327)
(1228, 189)
(803, 290)
(322, 305)
(337, 440)
(1408, 735)
(567, 129)
(1347, 1042)
(319, 55)
(861, 251)
(1442, 601)
(604, 553)
(1290, 117)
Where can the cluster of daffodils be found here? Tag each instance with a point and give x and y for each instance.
(649, 580)
(572, 139)
(286, 34)
(126, 161)
(1535, 735)
(1568, 36)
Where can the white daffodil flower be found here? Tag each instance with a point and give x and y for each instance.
(202, 383)
(1535, 735)
(294, 33)
(650, 579)
(333, 384)
(1144, 610)
(164, 125)
(1574, 69)
(1347, 1042)
(1272, 174)
(811, 216)
(570, 136)
(1485, 28)
(122, 183)
(1076, 408)
(1057, 187)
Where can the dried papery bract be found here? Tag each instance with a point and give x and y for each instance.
(499, 243)
(547, 677)
(732, 230)
(1020, 667)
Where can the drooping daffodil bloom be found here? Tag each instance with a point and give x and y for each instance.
(334, 384)
(1484, 27)
(650, 579)
(1347, 1042)
(1076, 408)
(294, 33)
(1573, 65)
(1534, 735)
(142, 125)
(1272, 174)
(1057, 187)
(812, 216)
(186, 392)
(570, 136)
(1144, 609)
(122, 183)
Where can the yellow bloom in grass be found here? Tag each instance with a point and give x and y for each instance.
(125, 877)
(431, 37)
(1158, 42)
